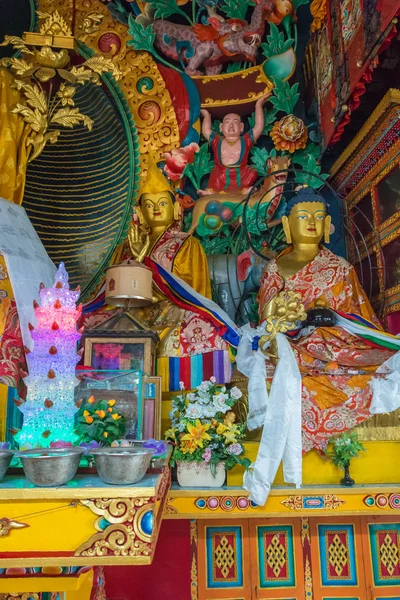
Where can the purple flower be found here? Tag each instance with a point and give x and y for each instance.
(4, 446)
(158, 447)
(207, 455)
(88, 446)
(235, 449)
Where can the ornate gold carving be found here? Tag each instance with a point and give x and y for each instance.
(141, 83)
(171, 510)
(224, 556)
(305, 530)
(276, 555)
(6, 525)
(391, 98)
(328, 502)
(41, 108)
(319, 13)
(308, 586)
(193, 531)
(288, 310)
(193, 580)
(389, 554)
(119, 526)
(337, 555)
(91, 22)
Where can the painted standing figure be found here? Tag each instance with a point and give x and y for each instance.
(231, 149)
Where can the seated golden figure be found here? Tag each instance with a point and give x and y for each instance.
(191, 348)
(336, 365)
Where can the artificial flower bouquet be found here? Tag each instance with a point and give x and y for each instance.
(99, 421)
(203, 427)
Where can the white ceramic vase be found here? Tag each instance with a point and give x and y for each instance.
(198, 474)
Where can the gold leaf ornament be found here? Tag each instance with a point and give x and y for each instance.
(17, 42)
(69, 117)
(66, 93)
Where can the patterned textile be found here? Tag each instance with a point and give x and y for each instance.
(336, 366)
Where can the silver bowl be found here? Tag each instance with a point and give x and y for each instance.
(122, 466)
(5, 459)
(50, 467)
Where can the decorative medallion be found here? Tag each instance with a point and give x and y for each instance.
(326, 502)
(389, 501)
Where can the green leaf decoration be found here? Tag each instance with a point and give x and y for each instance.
(235, 67)
(285, 96)
(344, 448)
(276, 43)
(217, 244)
(259, 158)
(311, 166)
(201, 166)
(142, 37)
(236, 9)
(165, 8)
(300, 157)
(269, 120)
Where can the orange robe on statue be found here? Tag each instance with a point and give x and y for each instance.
(336, 366)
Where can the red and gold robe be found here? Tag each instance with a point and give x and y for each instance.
(336, 366)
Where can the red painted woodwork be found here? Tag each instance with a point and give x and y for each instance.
(168, 577)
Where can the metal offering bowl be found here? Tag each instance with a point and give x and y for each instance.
(5, 459)
(122, 466)
(50, 467)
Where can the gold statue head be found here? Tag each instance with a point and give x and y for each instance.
(156, 205)
(306, 220)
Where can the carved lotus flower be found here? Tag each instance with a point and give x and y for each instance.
(289, 134)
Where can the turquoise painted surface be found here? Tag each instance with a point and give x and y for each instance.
(340, 580)
(238, 557)
(289, 580)
(381, 578)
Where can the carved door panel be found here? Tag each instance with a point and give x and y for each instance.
(223, 559)
(337, 559)
(381, 541)
(276, 556)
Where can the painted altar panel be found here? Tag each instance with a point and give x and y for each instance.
(223, 567)
(381, 541)
(276, 559)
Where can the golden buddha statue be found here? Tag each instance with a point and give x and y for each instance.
(336, 365)
(191, 348)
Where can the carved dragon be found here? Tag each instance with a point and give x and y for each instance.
(221, 41)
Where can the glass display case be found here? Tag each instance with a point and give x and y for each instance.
(138, 398)
(125, 387)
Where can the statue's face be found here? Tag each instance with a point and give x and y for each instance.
(306, 222)
(157, 208)
(231, 126)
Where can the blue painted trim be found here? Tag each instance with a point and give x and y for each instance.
(290, 580)
(339, 581)
(373, 541)
(211, 584)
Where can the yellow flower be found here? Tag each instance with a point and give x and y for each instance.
(116, 416)
(111, 402)
(221, 429)
(86, 413)
(289, 134)
(91, 400)
(170, 433)
(230, 434)
(101, 413)
(197, 433)
(109, 410)
(105, 434)
(89, 420)
(188, 446)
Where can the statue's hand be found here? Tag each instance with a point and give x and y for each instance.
(139, 242)
(205, 114)
(261, 101)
